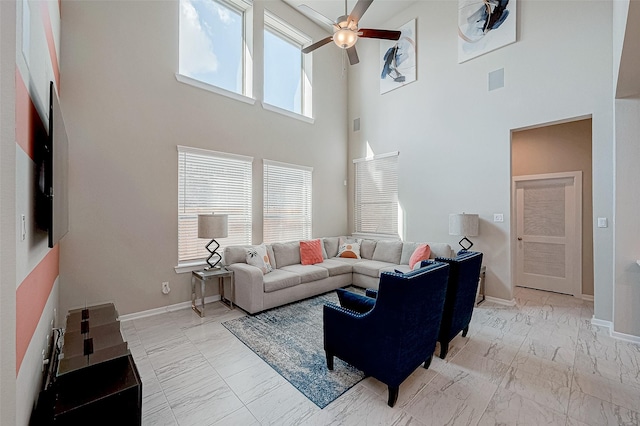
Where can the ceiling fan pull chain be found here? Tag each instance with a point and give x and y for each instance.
(344, 66)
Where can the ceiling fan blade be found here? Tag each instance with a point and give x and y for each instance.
(316, 16)
(383, 34)
(317, 44)
(353, 55)
(359, 9)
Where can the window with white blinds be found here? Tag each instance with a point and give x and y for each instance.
(287, 202)
(376, 194)
(212, 182)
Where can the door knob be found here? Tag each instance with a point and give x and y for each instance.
(519, 238)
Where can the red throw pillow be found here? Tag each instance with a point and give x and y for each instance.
(311, 252)
(422, 252)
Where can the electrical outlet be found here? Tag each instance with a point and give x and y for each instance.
(23, 225)
(165, 287)
(498, 217)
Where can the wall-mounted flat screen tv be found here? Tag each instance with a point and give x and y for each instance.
(53, 212)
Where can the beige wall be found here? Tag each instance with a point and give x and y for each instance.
(125, 113)
(561, 148)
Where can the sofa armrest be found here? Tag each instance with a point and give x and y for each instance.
(249, 287)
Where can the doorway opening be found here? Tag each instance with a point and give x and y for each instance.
(538, 259)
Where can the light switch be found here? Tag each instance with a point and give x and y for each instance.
(602, 222)
(498, 217)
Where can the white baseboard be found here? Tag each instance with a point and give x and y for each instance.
(627, 337)
(499, 301)
(164, 309)
(587, 297)
(615, 334)
(602, 323)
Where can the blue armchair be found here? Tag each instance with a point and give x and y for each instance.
(464, 276)
(390, 336)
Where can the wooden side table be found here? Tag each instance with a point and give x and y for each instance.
(204, 276)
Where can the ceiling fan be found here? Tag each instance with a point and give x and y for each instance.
(346, 31)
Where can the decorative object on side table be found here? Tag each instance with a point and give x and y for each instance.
(213, 226)
(203, 276)
(465, 225)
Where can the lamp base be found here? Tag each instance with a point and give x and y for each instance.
(465, 239)
(214, 253)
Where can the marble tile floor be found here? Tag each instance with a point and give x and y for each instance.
(540, 362)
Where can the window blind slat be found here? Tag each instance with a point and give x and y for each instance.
(212, 183)
(376, 195)
(287, 202)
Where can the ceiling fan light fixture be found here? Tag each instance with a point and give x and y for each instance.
(345, 38)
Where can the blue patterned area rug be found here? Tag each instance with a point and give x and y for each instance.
(290, 340)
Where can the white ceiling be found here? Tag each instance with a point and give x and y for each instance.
(375, 17)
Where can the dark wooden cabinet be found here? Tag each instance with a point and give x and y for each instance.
(96, 379)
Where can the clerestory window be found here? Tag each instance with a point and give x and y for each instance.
(213, 44)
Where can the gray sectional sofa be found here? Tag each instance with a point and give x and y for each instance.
(290, 281)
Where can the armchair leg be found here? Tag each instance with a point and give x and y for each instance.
(465, 331)
(329, 360)
(444, 348)
(427, 363)
(393, 395)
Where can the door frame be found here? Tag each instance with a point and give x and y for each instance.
(577, 254)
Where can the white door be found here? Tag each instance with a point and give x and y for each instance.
(548, 212)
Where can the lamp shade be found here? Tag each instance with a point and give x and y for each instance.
(212, 225)
(463, 224)
(345, 38)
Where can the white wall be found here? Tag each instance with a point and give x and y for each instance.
(454, 135)
(125, 113)
(626, 318)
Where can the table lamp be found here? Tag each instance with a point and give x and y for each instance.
(213, 226)
(463, 224)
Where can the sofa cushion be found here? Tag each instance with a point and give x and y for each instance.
(388, 251)
(422, 252)
(257, 256)
(234, 254)
(311, 252)
(407, 250)
(348, 260)
(279, 279)
(440, 250)
(286, 253)
(349, 248)
(335, 267)
(331, 246)
(402, 268)
(307, 273)
(371, 268)
(367, 247)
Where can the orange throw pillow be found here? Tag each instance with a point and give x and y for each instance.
(422, 252)
(311, 252)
